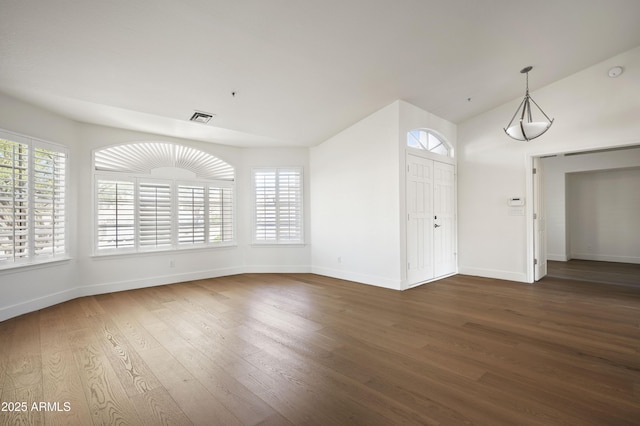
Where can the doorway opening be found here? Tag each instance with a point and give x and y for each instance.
(584, 207)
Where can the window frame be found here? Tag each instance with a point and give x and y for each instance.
(33, 257)
(205, 213)
(137, 180)
(96, 209)
(182, 177)
(424, 149)
(277, 241)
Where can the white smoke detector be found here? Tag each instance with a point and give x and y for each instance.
(615, 72)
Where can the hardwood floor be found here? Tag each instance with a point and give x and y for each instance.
(600, 272)
(281, 349)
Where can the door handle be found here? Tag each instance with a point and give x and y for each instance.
(435, 225)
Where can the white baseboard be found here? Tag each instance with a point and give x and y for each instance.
(494, 273)
(605, 258)
(358, 277)
(38, 303)
(94, 289)
(557, 257)
(282, 269)
(111, 287)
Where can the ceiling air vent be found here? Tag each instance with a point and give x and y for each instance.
(201, 117)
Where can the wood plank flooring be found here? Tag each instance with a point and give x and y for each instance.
(595, 271)
(301, 349)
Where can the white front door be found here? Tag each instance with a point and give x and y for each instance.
(430, 219)
(420, 219)
(444, 235)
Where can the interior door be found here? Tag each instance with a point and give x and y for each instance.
(444, 235)
(419, 219)
(539, 222)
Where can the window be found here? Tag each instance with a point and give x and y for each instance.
(278, 206)
(159, 196)
(32, 200)
(154, 210)
(428, 140)
(116, 213)
(220, 214)
(191, 223)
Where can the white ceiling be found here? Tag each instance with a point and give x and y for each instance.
(302, 70)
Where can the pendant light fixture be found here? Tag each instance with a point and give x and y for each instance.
(525, 128)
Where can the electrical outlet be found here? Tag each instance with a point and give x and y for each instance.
(339, 259)
(172, 263)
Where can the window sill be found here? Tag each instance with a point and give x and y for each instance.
(27, 266)
(276, 244)
(116, 254)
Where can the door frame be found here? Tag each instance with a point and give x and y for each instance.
(539, 220)
(403, 210)
(531, 194)
(534, 196)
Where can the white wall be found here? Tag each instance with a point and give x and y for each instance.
(355, 202)
(358, 196)
(33, 287)
(99, 274)
(591, 111)
(26, 289)
(555, 172)
(604, 215)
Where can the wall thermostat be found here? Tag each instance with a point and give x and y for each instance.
(516, 201)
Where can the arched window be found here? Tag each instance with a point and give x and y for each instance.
(161, 196)
(430, 141)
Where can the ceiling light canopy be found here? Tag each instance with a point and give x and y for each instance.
(526, 128)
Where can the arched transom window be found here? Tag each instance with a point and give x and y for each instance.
(158, 157)
(153, 196)
(430, 141)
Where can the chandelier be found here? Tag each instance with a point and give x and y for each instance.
(525, 128)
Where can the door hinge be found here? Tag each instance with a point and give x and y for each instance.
(408, 265)
(535, 215)
(535, 171)
(535, 261)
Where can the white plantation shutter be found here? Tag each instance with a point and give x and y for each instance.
(220, 214)
(191, 214)
(115, 214)
(143, 157)
(278, 205)
(48, 202)
(265, 185)
(289, 205)
(14, 200)
(32, 200)
(154, 209)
